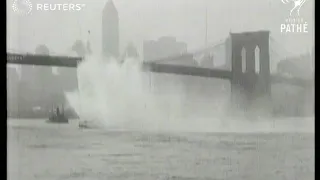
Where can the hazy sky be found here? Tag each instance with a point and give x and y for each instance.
(149, 19)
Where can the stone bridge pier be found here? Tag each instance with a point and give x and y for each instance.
(250, 64)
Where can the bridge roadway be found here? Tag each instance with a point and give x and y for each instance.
(72, 62)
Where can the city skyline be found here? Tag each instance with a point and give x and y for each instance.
(186, 23)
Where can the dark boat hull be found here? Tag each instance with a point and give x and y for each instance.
(88, 125)
(55, 119)
(57, 122)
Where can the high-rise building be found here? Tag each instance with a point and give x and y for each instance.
(164, 47)
(110, 30)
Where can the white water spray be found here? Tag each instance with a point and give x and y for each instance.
(115, 95)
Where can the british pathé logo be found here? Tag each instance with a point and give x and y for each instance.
(294, 23)
(297, 5)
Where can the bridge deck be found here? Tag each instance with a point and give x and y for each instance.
(43, 60)
(186, 70)
(64, 61)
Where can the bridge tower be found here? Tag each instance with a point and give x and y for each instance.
(250, 63)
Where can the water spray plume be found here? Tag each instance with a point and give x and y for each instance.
(114, 95)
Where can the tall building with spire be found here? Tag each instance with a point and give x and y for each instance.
(110, 30)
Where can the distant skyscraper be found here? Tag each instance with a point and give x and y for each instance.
(110, 30)
(162, 48)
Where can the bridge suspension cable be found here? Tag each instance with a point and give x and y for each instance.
(278, 45)
(210, 48)
(275, 54)
(200, 52)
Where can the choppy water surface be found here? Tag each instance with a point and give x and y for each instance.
(50, 151)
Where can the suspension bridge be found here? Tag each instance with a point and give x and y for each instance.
(248, 74)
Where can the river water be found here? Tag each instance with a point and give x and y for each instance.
(38, 150)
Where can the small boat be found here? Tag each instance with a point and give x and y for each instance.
(84, 124)
(58, 117)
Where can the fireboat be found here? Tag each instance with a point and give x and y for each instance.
(58, 116)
